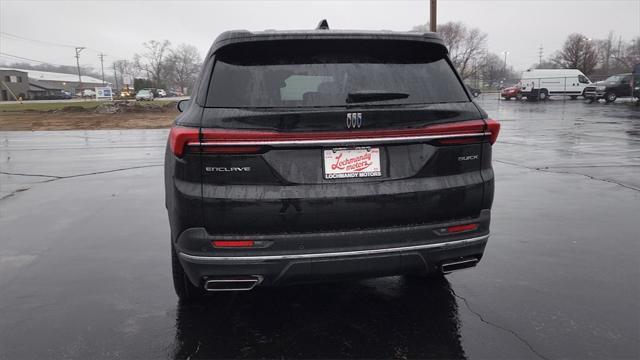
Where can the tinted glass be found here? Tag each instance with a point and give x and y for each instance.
(297, 75)
(614, 78)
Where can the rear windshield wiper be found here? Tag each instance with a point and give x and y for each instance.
(374, 95)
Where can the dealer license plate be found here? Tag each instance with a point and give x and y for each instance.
(352, 163)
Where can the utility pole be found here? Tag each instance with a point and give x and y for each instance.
(115, 75)
(101, 56)
(505, 59)
(540, 55)
(78, 50)
(619, 44)
(433, 13)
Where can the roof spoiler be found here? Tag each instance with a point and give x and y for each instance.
(323, 25)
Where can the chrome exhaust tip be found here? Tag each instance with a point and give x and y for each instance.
(232, 283)
(450, 266)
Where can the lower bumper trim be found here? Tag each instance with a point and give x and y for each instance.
(260, 258)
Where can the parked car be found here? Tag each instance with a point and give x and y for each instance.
(299, 165)
(473, 91)
(161, 93)
(144, 94)
(610, 89)
(174, 93)
(86, 93)
(511, 92)
(539, 84)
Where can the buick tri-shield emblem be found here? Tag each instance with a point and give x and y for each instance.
(354, 120)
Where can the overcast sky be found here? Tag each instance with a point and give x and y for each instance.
(118, 28)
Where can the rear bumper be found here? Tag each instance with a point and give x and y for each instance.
(416, 249)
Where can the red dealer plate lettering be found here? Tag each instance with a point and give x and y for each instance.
(352, 163)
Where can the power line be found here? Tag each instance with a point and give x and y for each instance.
(43, 41)
(27, 59)
(35, 40)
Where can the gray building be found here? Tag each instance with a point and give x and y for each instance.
(35, 84)
(13, 85)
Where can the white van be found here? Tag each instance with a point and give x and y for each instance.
(539, 84)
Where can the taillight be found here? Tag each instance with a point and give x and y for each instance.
(488, 127)
(231, 141)
(494, 128)
(247, 138)
(232, 243)
(179, 137)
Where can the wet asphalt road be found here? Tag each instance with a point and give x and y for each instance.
(85, 268)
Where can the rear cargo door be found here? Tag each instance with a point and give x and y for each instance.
(338, 136)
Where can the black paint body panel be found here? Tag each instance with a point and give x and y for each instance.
(285, 201)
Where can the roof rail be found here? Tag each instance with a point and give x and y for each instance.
(323, 25)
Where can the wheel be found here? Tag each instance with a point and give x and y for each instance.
(610, 97)
(507, 98)
(542, 96)
(573, 97)
(183, 287)
(590, 100)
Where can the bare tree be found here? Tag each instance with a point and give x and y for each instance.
(465, 45)
(494, 72)
(182, 66)
(152, 60)
(628, 56)
(578, 52)
(604, 50)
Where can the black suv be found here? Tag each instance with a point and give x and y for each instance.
(610, 89)
(325, 155)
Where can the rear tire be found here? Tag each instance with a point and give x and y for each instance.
(183, 287)
(573, 97)
(610, 97)
(543, 95)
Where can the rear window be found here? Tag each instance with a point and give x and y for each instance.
(323, 73)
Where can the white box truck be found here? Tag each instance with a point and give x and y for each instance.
(539, 84)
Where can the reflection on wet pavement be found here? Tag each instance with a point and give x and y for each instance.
(407, 318)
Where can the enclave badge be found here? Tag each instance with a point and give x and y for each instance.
(354, 120)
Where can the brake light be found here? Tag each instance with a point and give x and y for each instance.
(228, 141)
(232, 243)
(227, 137)
(179, 137)
(494, 128)
(461, 228)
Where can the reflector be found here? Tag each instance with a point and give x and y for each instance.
(232, 243)
(461, 228)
